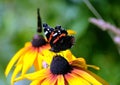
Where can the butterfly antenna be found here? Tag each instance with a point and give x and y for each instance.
(39, 22)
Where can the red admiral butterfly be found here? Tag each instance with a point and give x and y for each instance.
(58, 38)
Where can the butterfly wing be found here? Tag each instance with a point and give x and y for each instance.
(48, 31)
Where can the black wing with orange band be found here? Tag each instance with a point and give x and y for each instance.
(58, 38)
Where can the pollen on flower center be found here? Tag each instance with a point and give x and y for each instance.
(38, 41)
(60, 65)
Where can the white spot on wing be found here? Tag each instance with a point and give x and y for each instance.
(55, 34)
(46, 32)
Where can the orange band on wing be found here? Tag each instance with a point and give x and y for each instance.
(59, 37)
(50, 37)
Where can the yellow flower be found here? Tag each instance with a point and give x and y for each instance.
(62, 72)
(30, 54)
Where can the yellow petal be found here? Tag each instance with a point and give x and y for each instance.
(46, 47)
(20, 60)
(85, 82)
(28, 44)
(93, 66)
(28, 60)
(71, 32)
(75, 80)
(38, 62)
(67, 55)
(14, 59)
(35, 75)
(81, 79)
(15, 72)
(51, 80)
(48, 56)
(60, 80)
(38, 75)
(35, 82)
(79, 62)
(87, 76)
(98, 78)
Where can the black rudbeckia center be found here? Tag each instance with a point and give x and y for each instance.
(38, 41)
(60, 65)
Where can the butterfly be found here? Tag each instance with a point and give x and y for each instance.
(58, 38)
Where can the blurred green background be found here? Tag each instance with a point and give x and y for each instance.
(18, 24)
